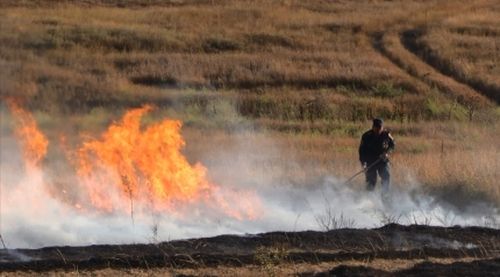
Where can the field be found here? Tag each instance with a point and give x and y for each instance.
(347, 252)
(280, 90)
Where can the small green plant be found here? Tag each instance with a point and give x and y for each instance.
(386, 90)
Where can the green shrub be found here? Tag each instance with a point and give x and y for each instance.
(387, 90)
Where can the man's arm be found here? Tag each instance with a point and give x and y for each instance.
(391, 143)
(390, 147)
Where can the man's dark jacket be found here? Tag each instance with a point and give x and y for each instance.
(373, 146)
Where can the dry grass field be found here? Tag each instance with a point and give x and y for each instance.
(307, 76)
(279, 89)
(281, 270)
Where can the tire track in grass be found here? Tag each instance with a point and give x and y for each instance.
(411, 41)
(392, 44)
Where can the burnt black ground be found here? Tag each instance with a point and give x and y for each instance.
(389, 242)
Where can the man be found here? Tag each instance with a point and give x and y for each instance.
(374, 149)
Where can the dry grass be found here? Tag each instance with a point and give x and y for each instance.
(72, 57)
(285, 269)
(442, 157)
(392, 46)
(467, 47)
(306, 74)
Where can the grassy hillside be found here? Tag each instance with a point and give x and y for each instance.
(308, 74)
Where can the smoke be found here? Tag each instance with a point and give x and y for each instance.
(11, 255)
(32, 216)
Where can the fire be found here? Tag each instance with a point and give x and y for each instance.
(34, 144)
(129, 167)
(147, 166)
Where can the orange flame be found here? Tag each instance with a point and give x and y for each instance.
(147, 166)
(33, 142)
(128, 165)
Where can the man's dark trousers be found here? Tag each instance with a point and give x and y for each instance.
(382, 168)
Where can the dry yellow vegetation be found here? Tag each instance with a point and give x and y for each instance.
(306, 75)
(283, 269)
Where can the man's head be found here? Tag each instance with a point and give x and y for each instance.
(378, 125)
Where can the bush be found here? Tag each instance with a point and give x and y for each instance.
(216, 45)
(387, 90)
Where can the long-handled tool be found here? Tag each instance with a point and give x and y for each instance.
(364, 170)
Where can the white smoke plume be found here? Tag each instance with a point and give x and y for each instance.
(31, 217)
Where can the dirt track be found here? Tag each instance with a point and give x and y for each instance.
(389, 242)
